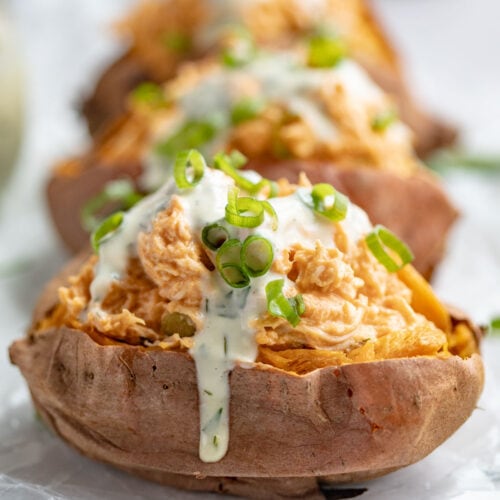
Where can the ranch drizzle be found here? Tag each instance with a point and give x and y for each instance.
(280, 78)
(227, 336)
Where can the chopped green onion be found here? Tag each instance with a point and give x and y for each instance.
(274, 189)
(325, 51)
(13, 268)
(449, 158)
(246, 109)
(328, 202)
(495, 325)
(177, 41)
(229, 253)
(228, 263)
(238, 159)
(234, 276)
(229, 165)
(108, 226)
(244, 212)
(269, 209)
(256, 256)
(214, 236)
(382, 121)
(279, 306)
(241, 51)
(149, 93)
(299, 304)
(192, 160)
(191, 135)
(381, 237)
(176, 322)
(122, 191)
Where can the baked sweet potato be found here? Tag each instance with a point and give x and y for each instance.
(275, 23)
(137, 409)
(353, 370)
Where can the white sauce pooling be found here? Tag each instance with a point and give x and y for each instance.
(227, 337)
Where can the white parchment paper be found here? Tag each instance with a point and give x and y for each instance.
(64, 43)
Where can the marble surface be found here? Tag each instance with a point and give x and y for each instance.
(450, 48)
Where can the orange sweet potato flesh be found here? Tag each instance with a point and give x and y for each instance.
(137, 409)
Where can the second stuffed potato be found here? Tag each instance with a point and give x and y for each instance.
(285, 116)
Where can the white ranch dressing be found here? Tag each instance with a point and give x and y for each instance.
(116, 249)
(279, 77)
(227, 337)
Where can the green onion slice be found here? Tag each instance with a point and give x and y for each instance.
(244, 212)
(380, 239)
(325, 51)
(382, 121)
(214, 236)
(121, 191)
(241, 51)
(329, 202)
(274, 189)
(107, 226)
(229, 165)
(192, 135)
(256, 256)
(278, 305)
(228, 263)
(269, 209)
(229, 253)
(246, 109)
(234, 276)
(238, 159)
(149, 93)
(185, 161)
(495, 325)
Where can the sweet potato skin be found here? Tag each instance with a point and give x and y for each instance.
(138, 409)
(67, 194)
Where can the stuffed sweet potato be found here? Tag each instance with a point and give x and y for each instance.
(257, 342)
(285, 116)
(164, 33)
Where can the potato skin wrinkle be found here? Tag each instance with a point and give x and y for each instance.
(357, 419)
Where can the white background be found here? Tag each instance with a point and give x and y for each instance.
(451, 50)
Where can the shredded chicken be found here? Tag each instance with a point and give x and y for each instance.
(354, 307)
